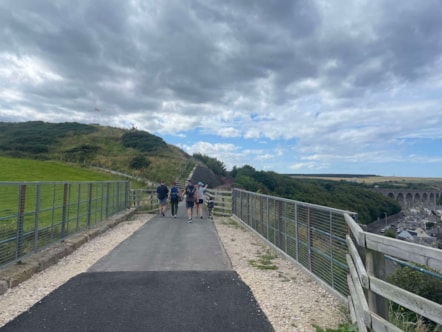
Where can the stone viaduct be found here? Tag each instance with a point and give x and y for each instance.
(412, 198)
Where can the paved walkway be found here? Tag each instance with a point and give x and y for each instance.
(168, 276)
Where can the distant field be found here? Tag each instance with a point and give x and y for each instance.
(397, 180)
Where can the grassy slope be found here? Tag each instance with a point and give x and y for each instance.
(107, 150)
(14, 169)
(165, 163)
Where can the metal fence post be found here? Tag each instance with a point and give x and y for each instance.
(295, 207)
(267, 218)
(279, 214)
(77, 226)
(36, 218)
(107, 199)
(126, 195)
(101, 201)
(89, 205)
(239, 208)
(65, 207)
(20, 221)
(309, 239)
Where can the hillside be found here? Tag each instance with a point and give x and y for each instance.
(337, 194)
(133, 152)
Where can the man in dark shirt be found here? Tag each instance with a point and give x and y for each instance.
(190, 191)
(162, 192)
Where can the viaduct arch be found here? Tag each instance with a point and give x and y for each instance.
(411, 198)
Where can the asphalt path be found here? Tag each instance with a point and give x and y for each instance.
(170, 275)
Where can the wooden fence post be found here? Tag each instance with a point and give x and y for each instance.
(375, 266)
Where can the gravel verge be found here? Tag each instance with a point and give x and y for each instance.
(291, 300)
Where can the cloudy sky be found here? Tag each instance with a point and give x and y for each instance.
(323, 86)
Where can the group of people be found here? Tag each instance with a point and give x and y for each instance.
(193, 195)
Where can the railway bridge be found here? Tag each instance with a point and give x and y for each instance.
(408, 198)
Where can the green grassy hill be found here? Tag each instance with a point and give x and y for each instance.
(132, 152)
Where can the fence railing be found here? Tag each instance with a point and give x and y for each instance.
(371, 293)
(144, 199)
(330, 246)
(313, 236)
(222, 199)
(34, 215)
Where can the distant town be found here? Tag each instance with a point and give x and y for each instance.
(418, 224)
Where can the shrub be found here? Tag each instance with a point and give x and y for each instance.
(142, 141)
(139, 162)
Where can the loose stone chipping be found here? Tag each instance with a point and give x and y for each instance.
(291, 299)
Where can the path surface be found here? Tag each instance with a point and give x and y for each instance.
(168, 276)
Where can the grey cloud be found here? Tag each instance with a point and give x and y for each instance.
(210, 53)
(411, 36)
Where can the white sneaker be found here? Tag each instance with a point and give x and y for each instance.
(190, 220)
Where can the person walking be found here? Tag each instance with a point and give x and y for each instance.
(174, 198)
(162, 193)
(210, 206)
(190, 194)
(200, 199)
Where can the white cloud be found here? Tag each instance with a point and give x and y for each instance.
(25, 70)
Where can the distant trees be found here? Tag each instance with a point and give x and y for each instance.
(35, 137)
(82, 153)
(142, 141)
(342, 195)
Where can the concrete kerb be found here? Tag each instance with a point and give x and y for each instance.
(13, 275)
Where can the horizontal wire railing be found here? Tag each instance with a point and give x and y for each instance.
(312, 235)
(34, 215)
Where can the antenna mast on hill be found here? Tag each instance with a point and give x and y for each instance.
(96, 113)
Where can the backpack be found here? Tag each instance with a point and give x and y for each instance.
(162, 192)
(190, 192)
(174, 194)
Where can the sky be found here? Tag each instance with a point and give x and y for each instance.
(290, 86)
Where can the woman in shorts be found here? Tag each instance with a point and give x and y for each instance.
(200, 199)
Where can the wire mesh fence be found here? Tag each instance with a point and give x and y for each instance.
(34, 215)
(313, 235)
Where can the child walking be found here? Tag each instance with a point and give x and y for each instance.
(210, 206)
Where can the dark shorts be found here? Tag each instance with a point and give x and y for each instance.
(189, 204)
(162, 201)
(200, 201)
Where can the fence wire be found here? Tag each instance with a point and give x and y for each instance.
(34, 215)
(312, 235)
